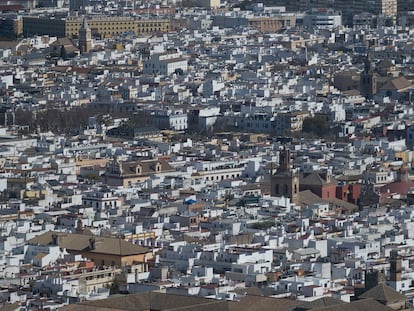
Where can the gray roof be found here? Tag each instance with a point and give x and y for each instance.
(383, 294)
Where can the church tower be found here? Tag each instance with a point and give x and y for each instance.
(286, 181)
(368, 80)
(85, 37)
(395, 267)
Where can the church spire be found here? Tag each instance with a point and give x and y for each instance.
(285, 160)
(85, 37)
(285, 183)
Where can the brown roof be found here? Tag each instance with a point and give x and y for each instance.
(83, 307)
(150, 301)
(320, 303)
(263, 303)
(397, 84)
(307, 197)
(401, 187)
(359, 305)
(62, 41)
(8, 44)
(383, 294)
(343, 204)
(81, 242)
(385, 63)
(161, 301)
(147, 167)
(315, 179)
(10, 307)
(11, 7)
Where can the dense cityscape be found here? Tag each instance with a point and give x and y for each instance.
(206, 155)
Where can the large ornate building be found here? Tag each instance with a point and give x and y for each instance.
(128, 173)
(103, 26)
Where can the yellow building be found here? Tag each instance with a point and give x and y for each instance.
(100, 26)
(126, 174)
(113, 26)
(18, 26)
(87, 162)
(387, 7)
(94, 279)
(272, 24)
(208, 4)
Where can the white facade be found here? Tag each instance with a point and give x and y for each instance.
(322, 20)
(176, 121)
(165, 64)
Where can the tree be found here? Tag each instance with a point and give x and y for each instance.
(316, 125)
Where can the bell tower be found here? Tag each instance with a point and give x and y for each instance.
(85, 37)
(368, 80)
(395, 267)
(285, 182)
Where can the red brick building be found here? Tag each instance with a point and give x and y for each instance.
(320, 183)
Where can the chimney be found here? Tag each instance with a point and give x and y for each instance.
(55, 239)
(92, 243)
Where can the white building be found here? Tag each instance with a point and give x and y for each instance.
(170, 120)
(322, 20)
(165, 64)
(101, 200)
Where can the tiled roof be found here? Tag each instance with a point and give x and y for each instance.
(320, 303)
(397, 84)
(307, 197)
(359, 305)
(165, 302)
(81, 242)
(315, 179)
(10, 307)
(147, 167)
(383, 294)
